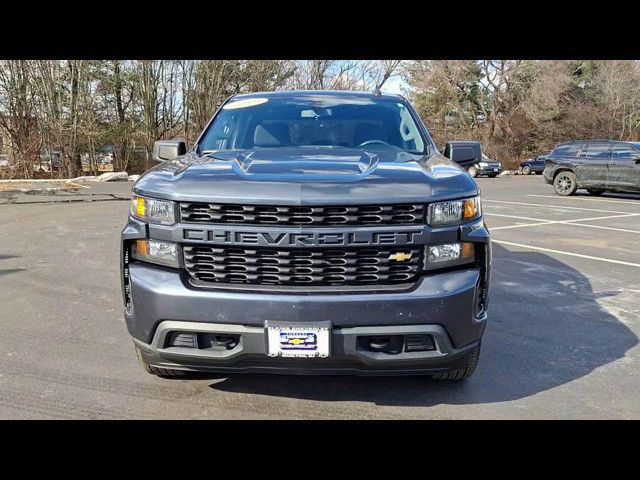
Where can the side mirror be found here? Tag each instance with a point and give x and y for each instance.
(164, 150)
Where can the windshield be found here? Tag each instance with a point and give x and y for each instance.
(318, 121)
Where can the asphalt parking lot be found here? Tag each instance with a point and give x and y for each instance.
(562, 339)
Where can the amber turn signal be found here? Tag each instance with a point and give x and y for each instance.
(471, 207)
(142, 247)
(140, 206)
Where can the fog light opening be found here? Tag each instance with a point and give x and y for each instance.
(420, 343)
(227, 341)
(389, 344)
(218, 342)
(183, 339)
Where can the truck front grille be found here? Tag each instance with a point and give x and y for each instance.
(312, 267)
(404, 214)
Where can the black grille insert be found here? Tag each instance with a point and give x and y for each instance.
(404, 214)
(312, 267)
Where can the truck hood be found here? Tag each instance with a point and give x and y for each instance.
(309, 176)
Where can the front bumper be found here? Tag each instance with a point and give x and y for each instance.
(347, 355)
(441, 305)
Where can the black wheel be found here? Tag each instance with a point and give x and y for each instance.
(526, 170)
(160, 372)
(565, 183)
(493, 175)
(473, 171)
(595, 192)
(462, 373)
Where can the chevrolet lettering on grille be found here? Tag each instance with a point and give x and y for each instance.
(300, 239)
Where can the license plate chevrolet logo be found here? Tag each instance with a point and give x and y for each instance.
(400, 256)
(298, 341)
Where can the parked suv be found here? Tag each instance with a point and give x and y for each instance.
(307, 232)
(596, 165)
(533, 165)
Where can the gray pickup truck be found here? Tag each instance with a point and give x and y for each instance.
(307, 232)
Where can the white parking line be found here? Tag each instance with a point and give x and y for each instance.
(520, 225)
(551, 206)
(540, 221)
(602, 227)
(622, 215)
(593, 199)
(571, 254)
(517, 217)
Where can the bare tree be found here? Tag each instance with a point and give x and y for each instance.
(121, 88)
(211, 82)
(17, 114)
(333, 75)
(379, 72)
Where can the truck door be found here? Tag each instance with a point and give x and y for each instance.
(624, 168)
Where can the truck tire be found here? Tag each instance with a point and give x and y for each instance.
(526, 170)
(462, 373)
(565, 183)
(160, 372)
(595, 192)
(473, 171)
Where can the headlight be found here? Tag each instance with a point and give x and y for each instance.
(448, 255)
(153, 210)
(454, 212)
(483, 164)
(156, 251)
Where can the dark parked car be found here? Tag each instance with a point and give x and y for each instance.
(468, 154)
(533, 165)
(489, 167)
(307, 232)
(596, 165)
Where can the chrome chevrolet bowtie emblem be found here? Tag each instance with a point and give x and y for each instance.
(400, 256)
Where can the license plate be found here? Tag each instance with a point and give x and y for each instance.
(306, 342)
(495, 169)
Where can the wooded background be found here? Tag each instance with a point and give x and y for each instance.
(516, 108)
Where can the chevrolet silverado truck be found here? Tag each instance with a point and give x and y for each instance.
(307, 232)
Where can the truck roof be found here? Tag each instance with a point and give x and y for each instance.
(329, 93)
